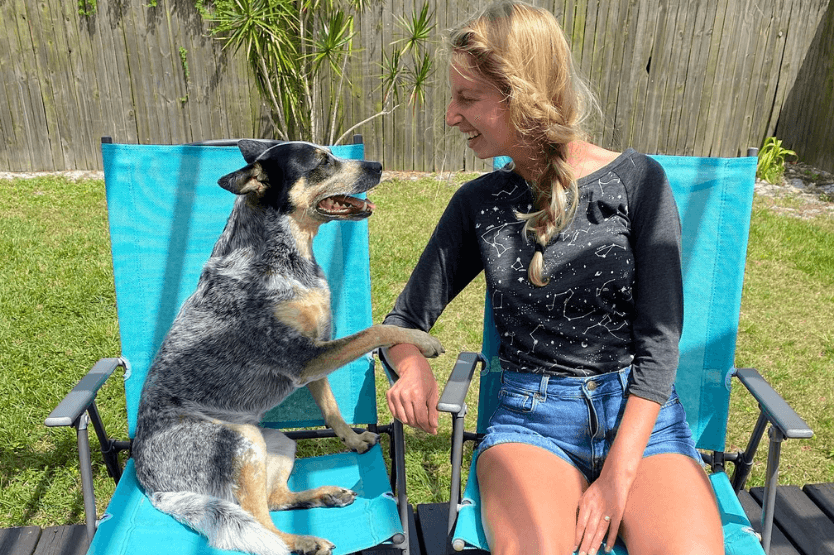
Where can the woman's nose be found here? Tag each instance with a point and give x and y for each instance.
(453, 116)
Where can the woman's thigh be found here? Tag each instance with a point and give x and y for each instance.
(529, 498)
(671, 509)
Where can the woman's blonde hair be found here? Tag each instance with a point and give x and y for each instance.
(523, 51)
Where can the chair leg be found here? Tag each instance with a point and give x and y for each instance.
(86, 474)
(457, 460)
(398, 454)
(771, 479)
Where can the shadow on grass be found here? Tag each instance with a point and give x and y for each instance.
(32, 478)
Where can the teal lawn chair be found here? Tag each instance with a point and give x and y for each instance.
(165, 212)
(714, 197)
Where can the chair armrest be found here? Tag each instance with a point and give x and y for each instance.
(77, 401)
(454, 394)
(773, 406)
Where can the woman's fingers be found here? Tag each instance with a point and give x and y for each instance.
(597, 521)
(413, 401)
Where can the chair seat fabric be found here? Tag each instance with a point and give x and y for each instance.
(739, 537)
(131, 525)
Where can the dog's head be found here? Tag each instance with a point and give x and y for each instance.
(303, 179)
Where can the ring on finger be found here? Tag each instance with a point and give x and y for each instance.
(606, 518)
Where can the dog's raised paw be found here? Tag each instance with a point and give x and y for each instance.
(429, 346)
(311, 545)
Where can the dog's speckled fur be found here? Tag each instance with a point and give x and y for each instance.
(257, 327)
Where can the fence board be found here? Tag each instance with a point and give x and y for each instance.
(727, 88)
(794, 19)
(721, 73)
(812, 137)
(69, 44)
(694, 80)
(10, 83)
(113, 59)
(37, 115)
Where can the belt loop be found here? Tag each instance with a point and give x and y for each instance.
(624, 375)
(543, 386)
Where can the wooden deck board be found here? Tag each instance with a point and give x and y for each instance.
(779, 543)
(19, 541)
(823, 496)
(802, 521)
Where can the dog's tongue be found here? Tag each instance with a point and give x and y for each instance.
(341, 203)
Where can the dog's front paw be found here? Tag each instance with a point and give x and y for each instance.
(311, 545)
(334, 496)
(428, 345)
(361, 442)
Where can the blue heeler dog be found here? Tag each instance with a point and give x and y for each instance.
(257, 328)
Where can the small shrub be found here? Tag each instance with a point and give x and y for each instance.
(771, 164)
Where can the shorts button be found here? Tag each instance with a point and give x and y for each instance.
(592, 386)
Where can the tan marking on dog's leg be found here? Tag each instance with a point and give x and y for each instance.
(280, 497)
(326, 401)
(308, 313)
(251, 476)
(339, 352)
(255, 470)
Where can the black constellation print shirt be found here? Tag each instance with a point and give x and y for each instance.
(614, 296)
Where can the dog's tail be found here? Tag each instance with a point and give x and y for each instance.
(224, 523)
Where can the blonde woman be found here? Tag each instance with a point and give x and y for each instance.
(581, 251)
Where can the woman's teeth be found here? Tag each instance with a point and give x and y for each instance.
(472, 134)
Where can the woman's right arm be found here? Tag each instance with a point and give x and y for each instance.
(449, 262)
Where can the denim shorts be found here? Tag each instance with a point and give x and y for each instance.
(577, 418)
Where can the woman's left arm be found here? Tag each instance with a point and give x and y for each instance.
(607, 496)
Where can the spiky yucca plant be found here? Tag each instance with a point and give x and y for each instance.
(299, 50)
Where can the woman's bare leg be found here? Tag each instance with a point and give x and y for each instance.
(529, 499)
(671, 509)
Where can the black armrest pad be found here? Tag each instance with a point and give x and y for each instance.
(82, 395)
(775, 408)
(454, 394)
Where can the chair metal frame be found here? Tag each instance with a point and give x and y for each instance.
(78, 410)
(784, 423)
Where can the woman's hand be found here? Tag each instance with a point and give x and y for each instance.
(601, 510)
(413, 397)
(607, 496)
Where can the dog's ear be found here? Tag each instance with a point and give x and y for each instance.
(252, 149)
(250, 179)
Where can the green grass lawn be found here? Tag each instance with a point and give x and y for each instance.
(57, 317)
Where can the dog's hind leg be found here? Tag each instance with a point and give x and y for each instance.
(256, 481)
(280, 461)
(323, 395)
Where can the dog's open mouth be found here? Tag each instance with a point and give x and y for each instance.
(343, 206)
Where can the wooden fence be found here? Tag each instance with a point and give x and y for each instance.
(806, 122)
(673, 76)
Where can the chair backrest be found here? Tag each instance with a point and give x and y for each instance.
(715, 199)
(166, 211)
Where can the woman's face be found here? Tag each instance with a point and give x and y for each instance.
(479, 111)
